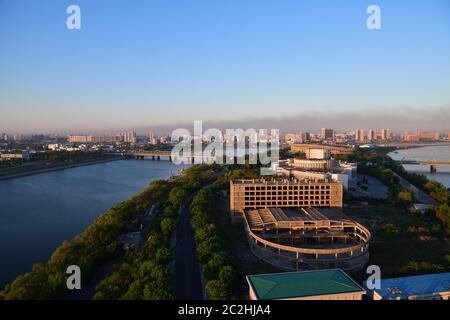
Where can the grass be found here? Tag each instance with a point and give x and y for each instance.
(404, 243)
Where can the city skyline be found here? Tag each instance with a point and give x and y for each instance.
(158, 65)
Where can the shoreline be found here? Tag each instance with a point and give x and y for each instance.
(57, 168)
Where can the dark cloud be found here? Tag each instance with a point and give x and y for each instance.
(398, 119)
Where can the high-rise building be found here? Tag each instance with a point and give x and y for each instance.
(359, 135)
(371, 136)
(326, 134)
(128, 136)
(386, 134)
(4, 137)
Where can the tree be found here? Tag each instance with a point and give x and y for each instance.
(222, 288)
(168, 225)
(438, 191)
(207, 247)
(443, 214)
(114, 286)
(163, 256)
(405, 196)
(177, 196)
(169, 212)
(214, 265)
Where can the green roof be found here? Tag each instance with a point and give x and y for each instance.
(302, 284)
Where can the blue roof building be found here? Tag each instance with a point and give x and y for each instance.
(424, 287)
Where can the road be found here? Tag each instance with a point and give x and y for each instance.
(187, 269)
(420, 196)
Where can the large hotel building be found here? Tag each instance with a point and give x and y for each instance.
(255, 194)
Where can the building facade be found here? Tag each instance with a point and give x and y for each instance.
(254, 194)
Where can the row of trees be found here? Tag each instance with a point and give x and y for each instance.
(88, 250)
(145, 273)
(220, 276)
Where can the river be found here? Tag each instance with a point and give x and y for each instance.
(39, 212)
(432, 152)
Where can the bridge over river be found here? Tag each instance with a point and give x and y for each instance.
(167, 155)
(433, 163)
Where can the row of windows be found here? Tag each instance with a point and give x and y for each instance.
(285, 193)
(287, 198)
(287, 203)
(295, 187)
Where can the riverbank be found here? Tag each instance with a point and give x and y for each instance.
(56, 168)
(53, 207)
(441, 152)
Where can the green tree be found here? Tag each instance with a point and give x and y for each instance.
(223, 287)
(177, 196)
(405, 197)
(213, 266)
(168, 225)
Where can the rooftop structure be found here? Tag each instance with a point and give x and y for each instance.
(318, 165)
(423, 287)
(307, 239)
(334, 149)
(332, 284)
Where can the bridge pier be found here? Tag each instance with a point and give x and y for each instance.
(153, 157)
(158, 158)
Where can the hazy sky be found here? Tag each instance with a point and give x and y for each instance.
(154, 63)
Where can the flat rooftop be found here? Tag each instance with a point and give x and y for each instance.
(266, 217)
(283, 182)
(396, 288)
(302, 284)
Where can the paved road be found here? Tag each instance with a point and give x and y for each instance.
(420, 196)
(187, 270)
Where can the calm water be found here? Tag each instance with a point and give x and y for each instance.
(37, 213)
(436, 152)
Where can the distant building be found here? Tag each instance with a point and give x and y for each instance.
(4, 137)
(53, 146)
(417, 137)
(386, 134)
(128, 136)
(372, 135)
(22, 155)
(334, 149)
(424, 287)
(80, 139)
(359, 135)
(332, 284)
(318, 165)
(327, 134)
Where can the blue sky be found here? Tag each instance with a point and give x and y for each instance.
(155, 62)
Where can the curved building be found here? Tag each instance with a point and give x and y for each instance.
(307, 239)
